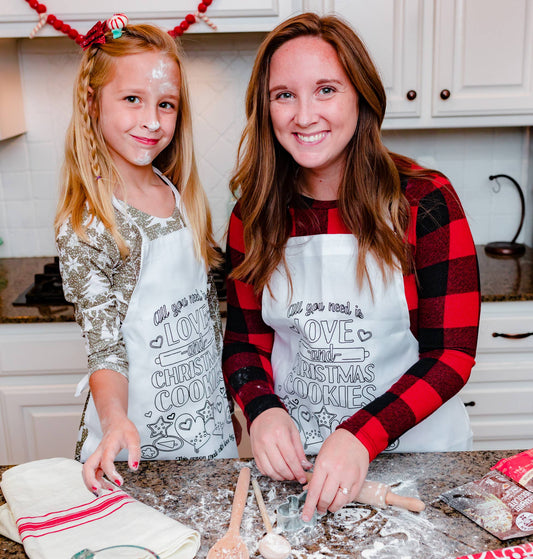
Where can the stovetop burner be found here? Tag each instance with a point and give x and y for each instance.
(47, 289)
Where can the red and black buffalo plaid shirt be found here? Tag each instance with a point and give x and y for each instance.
(443, 301)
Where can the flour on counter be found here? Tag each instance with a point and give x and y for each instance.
(356, 531)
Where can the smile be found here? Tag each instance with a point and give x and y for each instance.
(312, 138)
(145, 141)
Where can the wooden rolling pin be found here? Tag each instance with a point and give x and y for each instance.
(380, 495)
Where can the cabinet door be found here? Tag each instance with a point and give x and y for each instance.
(18, 19)
(499, 400)
(41, 421)
(392, 31)
(483, 57)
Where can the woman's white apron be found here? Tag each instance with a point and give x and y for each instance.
(176, 395)
(337, 348)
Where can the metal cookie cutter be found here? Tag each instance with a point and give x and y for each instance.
(288, 515)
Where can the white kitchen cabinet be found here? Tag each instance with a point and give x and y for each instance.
(393, 33)
(18, 19)
(499, 394)
(447, 63)
(40, 366)
(483, 56)
(12, 121)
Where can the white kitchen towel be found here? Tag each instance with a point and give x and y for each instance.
(55, 516)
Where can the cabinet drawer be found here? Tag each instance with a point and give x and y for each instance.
(36, 348)
(494, 434)
(498, 399)
(508, 319)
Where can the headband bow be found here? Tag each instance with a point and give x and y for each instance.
(95, 35)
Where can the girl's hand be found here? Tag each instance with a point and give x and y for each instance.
(120, 434)
(276, 446)
(340, 470)
(110, 392)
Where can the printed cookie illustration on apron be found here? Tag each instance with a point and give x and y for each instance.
(337, 348)
(177, 397)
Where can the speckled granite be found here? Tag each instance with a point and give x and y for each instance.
(506, 279)
(17, 275)
(199, 494)
(502, 279)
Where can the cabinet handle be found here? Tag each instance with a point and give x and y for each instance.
(445, 94)
(411, 95)
(471, 404)
(512, 336)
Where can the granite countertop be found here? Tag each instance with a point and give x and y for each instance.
(506, 279)
(199, 494)
(16, 276)
(502, 279)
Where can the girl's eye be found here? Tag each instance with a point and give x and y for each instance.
(327, 90)
(132, 99)
(166, 105)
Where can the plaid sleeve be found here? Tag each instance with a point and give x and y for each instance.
(248, 340)
(444, 304)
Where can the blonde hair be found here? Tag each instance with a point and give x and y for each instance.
(89, 176)
(371, 203)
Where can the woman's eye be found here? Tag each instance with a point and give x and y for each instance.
(283, 95)
(327, 90)
(132, 99)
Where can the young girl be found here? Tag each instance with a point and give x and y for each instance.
(135, 253)
(353, 299)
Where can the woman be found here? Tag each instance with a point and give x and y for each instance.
(353, 294)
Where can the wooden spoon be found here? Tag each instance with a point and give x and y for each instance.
(231, 545)
(271, 546)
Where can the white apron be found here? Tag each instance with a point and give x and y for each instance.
(336, 349)
(176, 395)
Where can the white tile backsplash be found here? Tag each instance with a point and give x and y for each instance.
(218, 68)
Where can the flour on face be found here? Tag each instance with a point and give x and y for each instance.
(144, 159)
(160, 73)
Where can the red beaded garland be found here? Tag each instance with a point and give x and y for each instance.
(73, 34)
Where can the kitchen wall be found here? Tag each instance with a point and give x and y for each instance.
(218, 69)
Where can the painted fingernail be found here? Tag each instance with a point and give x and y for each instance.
(118, 482)
(94, 488)
(135, 465)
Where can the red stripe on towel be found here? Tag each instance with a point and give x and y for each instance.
(41, 526)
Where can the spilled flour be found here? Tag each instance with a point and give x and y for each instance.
(356, 531)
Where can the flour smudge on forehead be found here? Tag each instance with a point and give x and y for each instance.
(160, 74)
(160, 71)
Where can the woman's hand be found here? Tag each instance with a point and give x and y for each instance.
(340, 470)
(119, 433)
(276, 446)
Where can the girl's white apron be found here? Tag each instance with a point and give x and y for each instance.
(176, 395)
(336, 348)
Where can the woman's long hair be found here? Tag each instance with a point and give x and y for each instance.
(89, 176)
(370, 199)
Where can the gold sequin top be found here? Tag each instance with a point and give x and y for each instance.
(100, 283)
